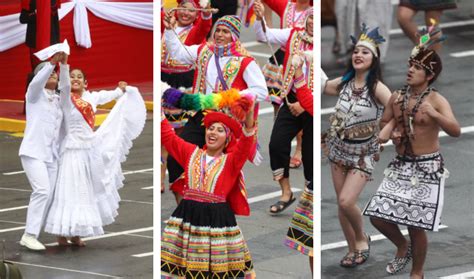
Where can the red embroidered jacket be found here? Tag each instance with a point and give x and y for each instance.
(227, 181)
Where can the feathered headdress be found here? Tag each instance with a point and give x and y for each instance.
(369, 39)
(422, 54)
(229, 100)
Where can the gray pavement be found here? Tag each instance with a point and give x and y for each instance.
(264, 233)
(451, 249)
(107, 257)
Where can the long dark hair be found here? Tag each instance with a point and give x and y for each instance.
(374, 75)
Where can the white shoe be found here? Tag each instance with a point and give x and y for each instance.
(31, 243)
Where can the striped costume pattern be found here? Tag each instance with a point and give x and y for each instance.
(300, 232)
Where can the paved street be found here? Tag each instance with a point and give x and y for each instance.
(123, 252)
(450, 250)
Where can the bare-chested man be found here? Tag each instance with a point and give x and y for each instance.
(411, 192)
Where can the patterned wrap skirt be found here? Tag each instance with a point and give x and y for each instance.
(300, 232)
(411, 193)
(351, 154)
(202, 240)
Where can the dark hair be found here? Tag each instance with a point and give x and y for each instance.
(374, 76)
(82, 72)
(437, 68)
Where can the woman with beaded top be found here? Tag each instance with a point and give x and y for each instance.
(351, 141)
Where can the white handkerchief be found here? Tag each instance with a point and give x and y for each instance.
(51, 50)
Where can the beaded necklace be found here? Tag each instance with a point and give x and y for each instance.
(408, 124)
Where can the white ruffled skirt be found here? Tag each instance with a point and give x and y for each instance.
(86, 196)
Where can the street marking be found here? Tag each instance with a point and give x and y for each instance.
(13, 229)
(13, 208)
(259, 54)
(464, 130)
(137, 171)
(460, 275)
(66, 269)
(376, 237)
(442, 26)
(147, 188)
(252, 44)
(143, 255)
(15, 189)
(109, 235)
(132, 201)
(327, 111)
(12, 222)
(270, 196)
(12, 173)
(462, 53)
(125, 173)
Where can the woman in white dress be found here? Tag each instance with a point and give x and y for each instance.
(86, 196)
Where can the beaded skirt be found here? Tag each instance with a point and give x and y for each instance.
(202, 240)
(300, 232)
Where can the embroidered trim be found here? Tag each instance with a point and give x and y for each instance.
(85, 109)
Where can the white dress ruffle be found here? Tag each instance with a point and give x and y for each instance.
(86, 196)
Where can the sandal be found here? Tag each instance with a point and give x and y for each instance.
(363, 254)
(348, 261)
(282, 205)
(398, 264)
(295, 163)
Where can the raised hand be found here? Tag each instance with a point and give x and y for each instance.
(169, 20)
(122, 85)
(259, 9)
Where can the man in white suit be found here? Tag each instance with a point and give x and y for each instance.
(39, 150)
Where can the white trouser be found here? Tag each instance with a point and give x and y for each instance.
(42, 177)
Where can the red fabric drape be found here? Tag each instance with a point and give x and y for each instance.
(118, 52)
(43, 23)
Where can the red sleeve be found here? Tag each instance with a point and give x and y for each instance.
(241, 151)
(305, 97)
(162, 19)
(199, 31)
(180, 149)
(278, 6)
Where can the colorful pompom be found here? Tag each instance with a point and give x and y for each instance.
(171, 97)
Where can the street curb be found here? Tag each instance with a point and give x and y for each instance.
(18, 126)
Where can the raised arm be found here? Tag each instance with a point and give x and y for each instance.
(274, 36)
(243, 147)
(64, 78)
(278, 6)
(199, 30)
(104, 96)
(442, 113)
(37, 84)
(184, 54)
(180, 149)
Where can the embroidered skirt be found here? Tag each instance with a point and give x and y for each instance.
(202, 240)
(349, 154)
(411, 193)
(300, 232)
